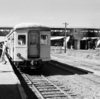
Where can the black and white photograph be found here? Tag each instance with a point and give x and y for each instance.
(49, 49)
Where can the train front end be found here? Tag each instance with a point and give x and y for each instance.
(32, 46)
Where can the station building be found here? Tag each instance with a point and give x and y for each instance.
(3, 32)
(76, 38)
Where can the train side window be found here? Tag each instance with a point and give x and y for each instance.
(44, 39)
(21, 39)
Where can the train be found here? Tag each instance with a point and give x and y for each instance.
(29, 45)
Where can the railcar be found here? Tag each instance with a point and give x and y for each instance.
(29, 45)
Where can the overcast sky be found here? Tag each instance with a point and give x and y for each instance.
(53, 13)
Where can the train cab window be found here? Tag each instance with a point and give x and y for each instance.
(21, 39)
(44, 39)
(33, 39)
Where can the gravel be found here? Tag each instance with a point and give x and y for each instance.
(77, 61)
(81, 87)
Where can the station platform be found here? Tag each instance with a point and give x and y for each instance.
(10, 87)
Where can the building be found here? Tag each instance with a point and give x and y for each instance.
(79, 38)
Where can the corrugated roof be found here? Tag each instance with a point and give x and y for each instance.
(57, 37)
(60, 37)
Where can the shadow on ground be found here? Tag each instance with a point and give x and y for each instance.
(9, 91)
(30, 94)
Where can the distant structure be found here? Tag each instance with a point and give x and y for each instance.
(4, 30)
(77, 38)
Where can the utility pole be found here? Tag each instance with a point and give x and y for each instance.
(65, 36)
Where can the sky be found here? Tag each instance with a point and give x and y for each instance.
(52, 13)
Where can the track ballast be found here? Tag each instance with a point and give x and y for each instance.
(44, 88)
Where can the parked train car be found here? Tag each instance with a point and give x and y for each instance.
(29, 45)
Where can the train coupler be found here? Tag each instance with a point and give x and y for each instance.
(35, 64)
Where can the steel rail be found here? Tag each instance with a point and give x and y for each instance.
(91, 79)
(44, 88)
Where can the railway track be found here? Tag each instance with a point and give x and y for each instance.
(44, 88)
(88, 75)
(92, 77)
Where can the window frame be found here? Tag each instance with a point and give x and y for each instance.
(25, 40)
(44, 41)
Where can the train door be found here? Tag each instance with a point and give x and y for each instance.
(45, 45)
(33, 44)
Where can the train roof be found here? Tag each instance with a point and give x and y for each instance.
(30, 26)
